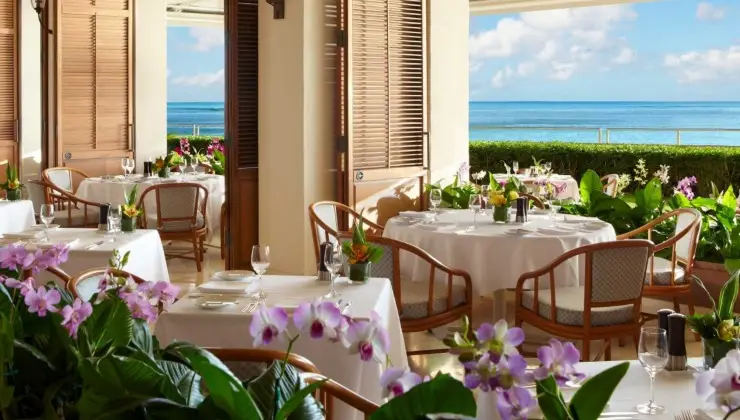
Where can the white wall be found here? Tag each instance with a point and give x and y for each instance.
(150, 80)
(30, 85)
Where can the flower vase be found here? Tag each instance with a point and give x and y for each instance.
(714, 350)
(164, 173)
(486, 403)
(13, 195)
(359, 273)
(128, 224)
(501, 214)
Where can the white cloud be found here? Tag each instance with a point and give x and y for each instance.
(526, 68)
(501, 77)
(548, 51)
(206, 38)
(562, 71)
(699, 66)
(475, 66)
(626, 55)
(202, 79)
(709, 12)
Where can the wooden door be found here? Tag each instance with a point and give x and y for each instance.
(382, 147)
(94, 116)
(8, 85)
(241, 131)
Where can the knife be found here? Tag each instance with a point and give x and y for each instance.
(94, 245)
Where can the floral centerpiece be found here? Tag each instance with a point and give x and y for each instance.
(719, 329)
(164, 164)
(130, 210)
(360, 254)
(719, 386)
(501, 195)
(12, 185)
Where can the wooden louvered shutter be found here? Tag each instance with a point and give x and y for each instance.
(241, 130)
(383, 139)
(8, 85)
(94, 84)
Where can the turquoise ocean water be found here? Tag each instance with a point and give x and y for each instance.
(577, 121)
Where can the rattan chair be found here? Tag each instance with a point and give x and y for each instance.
(610, 184)
(180, 215)
(60, 277)
(425, 303)
(63, 177)
(606, 307)
(672, 277)
(70, 210)
(85, 285)
(325, 219)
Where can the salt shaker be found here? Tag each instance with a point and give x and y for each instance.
(676, 342)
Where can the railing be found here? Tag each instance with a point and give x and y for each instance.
(194, 129)
(604, 135)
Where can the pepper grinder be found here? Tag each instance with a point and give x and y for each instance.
(103, 217)
(676, 342)
(663, 319)
(520, 218)
(526, 208)
(324, 274)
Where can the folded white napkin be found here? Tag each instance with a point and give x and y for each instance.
(416, 214)
(29, 234)
(436, 226)
(225, 288)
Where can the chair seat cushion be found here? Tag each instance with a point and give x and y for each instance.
(176, 226)
(415, 295)
(76, 217)
(662, 273)
(569, 311)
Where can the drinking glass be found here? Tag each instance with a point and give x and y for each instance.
(260, 264)
(653, 355)
(46, 214)
(475, 204)
(548, 167)
(131, 165)
(515, 167)
(114, 220)
(555, 206)
(194, 164)
(182, 164)
(333, 262)
(435, 199)
(484, 191)
(124, 166)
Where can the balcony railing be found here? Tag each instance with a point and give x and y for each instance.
(195, 129)
(606, 135)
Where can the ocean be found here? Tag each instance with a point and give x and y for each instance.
(565, 121)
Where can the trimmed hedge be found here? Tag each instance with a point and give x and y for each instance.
(720, 165)
(198, 142)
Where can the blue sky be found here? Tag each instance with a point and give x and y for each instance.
(679, 50)
(195, 64)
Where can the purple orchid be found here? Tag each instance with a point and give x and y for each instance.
(160, 292)
(558, 359)
(24, 286)
(139, 306)
(15, 258)
(368, 338)
(685, 187)
(268, 324)
(41, 301)
(481, 373)
(75, 315)
(499, 338)
(514, 403)
(720, 387)
(397, 381)
(320, 318)
(57, 254)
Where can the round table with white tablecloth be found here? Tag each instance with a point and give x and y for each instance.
(16, 216)
(571, 190)
(495, 255)
(114, 190)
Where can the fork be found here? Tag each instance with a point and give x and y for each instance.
(685, 415)
(250, 308)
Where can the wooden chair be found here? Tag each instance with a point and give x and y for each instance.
(607, 306)
(63, 177)
(223, 230)
(180, 215)
(62, 278)
(610, 184)
(70, 210)
(325, 217)
(533, 199)
(347, 396)
(672, 277)
(85, 285)
(423, 304)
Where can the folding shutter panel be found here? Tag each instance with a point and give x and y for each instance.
(8, 85)
(242, 130)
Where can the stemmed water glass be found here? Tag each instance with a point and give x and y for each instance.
(46, 215)
(555, 206)
(182, 164)
(548, 167)
(435, 199)
(124, 166)
(474, 205)
(114, 220)
(333, 262)
(194, 164)
(484, 191)
(515, 167)
(260, 264)
(653, 355)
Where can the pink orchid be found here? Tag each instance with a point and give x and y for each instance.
(397, 381)
(268, 324)
(24, 286)
(140, 307)
(369, 339)
(75, 315)
(320, 318)
(41, 301)
(15, 257)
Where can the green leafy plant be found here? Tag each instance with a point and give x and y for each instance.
(130, 210)
(218, 162)
(456, 195)
(11, 179)
(358, 251)
(721, 324)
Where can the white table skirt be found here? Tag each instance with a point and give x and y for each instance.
(572, 190)
(146, 259)
(16, 216)
(114, 191)
(229, 328)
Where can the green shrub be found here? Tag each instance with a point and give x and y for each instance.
(720, 165)
(198, 142)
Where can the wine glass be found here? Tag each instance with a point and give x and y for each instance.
(515, 167)
(333, 262)
(182, 164)
(114, 220)
(548, 167)
(485, 190)
(260, 264)
(194, 164)
(653, 355)
(124, 166)
(474, 205)
(555, 206)
(435, 199)
(46, 214)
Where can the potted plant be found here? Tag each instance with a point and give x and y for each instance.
(130, 210)
(719, 329)
(501, 197)
(163, 165)
(12, 185)
(457, 194)
(360, 254)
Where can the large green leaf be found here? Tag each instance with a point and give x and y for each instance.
(590, 400)
(703, 203)
(185, 380)
(443, 394)
(263, 390)
(224, 388)
(550, 399)
(652, 195)
(156, 408)
(727, 297)
(34, 353)
(142, 337)
(138, 376)
(729, 199)
(110, 323)
(590, 182)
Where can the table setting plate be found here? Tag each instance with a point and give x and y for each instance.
(518, 232)
(555, 232)
(42, 228)
(215, 302)
(221, 287)
(234, 275)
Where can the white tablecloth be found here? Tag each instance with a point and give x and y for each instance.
(113, 191)
(572, 190)
(146, 259)
(16, 216)
(229, 328)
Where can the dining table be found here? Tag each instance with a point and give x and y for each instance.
(113, 190)
(571, 191)
(496, 254)
(16, 216)
(228, 327)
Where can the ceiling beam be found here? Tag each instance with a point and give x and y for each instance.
(479, 7)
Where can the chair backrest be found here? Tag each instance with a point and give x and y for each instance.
(327, 218)
(37, 193)
(63, 177)
(178, 205)
(615, 271)
(610, 184)
(332, 390)
(688, 226)
(248, 363)
(85, 285)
